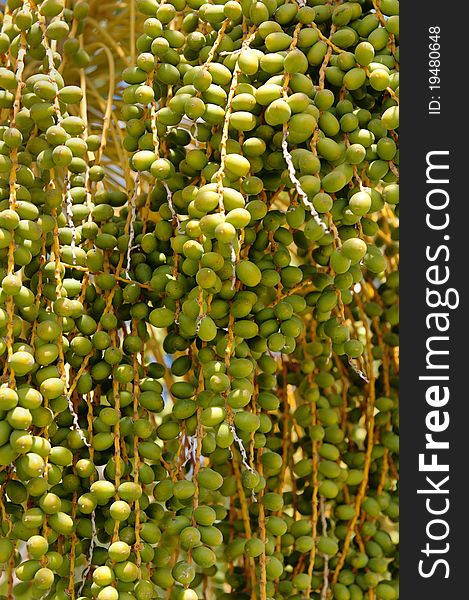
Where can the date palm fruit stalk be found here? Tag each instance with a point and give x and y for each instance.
(199, 211)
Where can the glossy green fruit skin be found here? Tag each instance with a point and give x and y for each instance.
(199, 252)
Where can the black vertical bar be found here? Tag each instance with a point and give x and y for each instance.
(434, 121)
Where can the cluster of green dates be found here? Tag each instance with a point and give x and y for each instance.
(200, 374)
